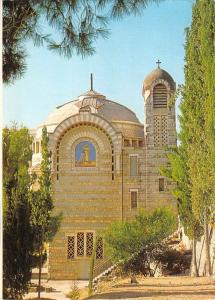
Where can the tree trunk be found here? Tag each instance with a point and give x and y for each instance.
(40, 270)
(208, 270)
(194, 268)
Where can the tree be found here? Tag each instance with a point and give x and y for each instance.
(75, 26)
(17, 230)
(145, 235)
(45, 224)
(178, 172)
(198, 114)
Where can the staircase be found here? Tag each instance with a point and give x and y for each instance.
(102, 270)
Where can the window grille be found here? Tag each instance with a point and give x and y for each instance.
(133, 165)
(160, 96)
(133, 199)
(71, 247)
(89, 243)
(164, 130)
(156, 130)
(80, 244)
(160, 130)
(99, 249)
(161, 184)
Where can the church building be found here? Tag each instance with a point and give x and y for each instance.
(105, 167)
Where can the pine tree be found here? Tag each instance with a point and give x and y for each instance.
(78, 25)
(198, 114)
(45, 224)
(17, 231)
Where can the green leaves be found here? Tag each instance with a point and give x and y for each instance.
(198, 107)
(72, 27)
(149, 228)
(17, 230)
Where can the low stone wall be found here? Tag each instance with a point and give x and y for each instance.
(200, 253)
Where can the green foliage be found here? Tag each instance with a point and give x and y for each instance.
(198, 108)
(192, 163)
(126, 239)
(72, 27)
(170, 261)
(17, 231)
(45, 224)
(74, 294)
(178, 172)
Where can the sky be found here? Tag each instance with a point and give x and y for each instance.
(119, 66)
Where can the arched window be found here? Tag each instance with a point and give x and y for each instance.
(160, 96)
(85, 154)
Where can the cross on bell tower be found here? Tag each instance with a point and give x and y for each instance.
(158, 63)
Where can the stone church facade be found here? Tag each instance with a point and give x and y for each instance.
(105, 167)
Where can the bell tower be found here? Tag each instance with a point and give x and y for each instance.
(160, 132)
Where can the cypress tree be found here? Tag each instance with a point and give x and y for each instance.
(177, 171)
(198, 114)
(45, 224)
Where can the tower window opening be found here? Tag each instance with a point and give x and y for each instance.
(133, 165)
(133, 196)
(160, 96)
(161, 184)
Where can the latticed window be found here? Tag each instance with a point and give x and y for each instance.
(71, 247)
(89, 243)
(99, 248)
(133, 199)
(160, 130)
(164, 130)
(133, 165)
(80, 244)
(156, 130)
(159, 96)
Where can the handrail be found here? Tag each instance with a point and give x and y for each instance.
(100, 268)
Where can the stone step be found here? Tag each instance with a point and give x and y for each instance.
(35, 273)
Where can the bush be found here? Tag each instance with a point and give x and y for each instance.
(74, 294)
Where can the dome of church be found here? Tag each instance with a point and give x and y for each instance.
(156, 75)
(96, 103)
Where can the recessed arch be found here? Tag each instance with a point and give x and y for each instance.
(92, 120)
(81, 119)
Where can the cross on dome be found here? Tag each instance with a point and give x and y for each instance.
(158, 63)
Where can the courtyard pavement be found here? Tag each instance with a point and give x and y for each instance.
(61, 288)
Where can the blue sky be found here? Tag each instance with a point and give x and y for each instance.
(119, 66)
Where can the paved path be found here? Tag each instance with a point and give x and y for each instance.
(61, 288)
(163, 288)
